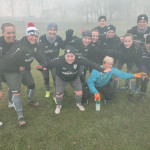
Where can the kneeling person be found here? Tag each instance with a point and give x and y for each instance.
(102, 82)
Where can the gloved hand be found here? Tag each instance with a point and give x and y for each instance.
(139, 75)
(97, 96)
(69, 35)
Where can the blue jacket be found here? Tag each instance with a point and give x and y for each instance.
(97, 79)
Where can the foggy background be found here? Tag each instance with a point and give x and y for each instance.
(73, 14)
(74, 10)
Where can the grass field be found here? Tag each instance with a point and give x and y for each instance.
(120, 125)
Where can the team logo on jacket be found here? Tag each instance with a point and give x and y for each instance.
(29, 59)
(86, 50)
(55, 44)
(75, 66)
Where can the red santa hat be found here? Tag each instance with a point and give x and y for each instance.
(31, 29)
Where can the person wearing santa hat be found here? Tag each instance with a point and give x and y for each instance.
(17, 69)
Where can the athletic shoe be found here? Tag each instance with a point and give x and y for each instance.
(1, 123)
(136, 91)
(21, 122)
(124, 87)
(80, 107)
(10, 104)
(48, 93)
(58, 108)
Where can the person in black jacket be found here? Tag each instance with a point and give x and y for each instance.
(102, 28)
(82, 47)
(110, 42)
(17, 69)
(50, 45)
(145, 67)
(128, 53)
(6, 42)
(139, 33)
(67, 71)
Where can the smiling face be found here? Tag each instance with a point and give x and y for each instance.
(95, 36)
(9, 34)
(32, 39)
(70, 58)
(128, 41)
(102, 23)
(86, 40)
(52, 33)
(108, 62)
(110, 33)
(142, 24)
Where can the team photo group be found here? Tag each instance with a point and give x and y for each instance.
(92, 64)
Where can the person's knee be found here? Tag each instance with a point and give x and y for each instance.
(16, 92)
(59, 95)
(78, 92)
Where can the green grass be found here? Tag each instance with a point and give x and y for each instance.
(120, 125)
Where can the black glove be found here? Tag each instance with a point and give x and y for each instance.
(69, 35)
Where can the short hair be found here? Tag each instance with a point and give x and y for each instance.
(108, 59)
(129, 35)
(94, 30)
(4, 25)
(102, 17)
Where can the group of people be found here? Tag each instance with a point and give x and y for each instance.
(97, 51)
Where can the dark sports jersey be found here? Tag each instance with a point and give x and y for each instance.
(129, 55)
(4, 47)
(102, 31)
(51, 50)
(69, 72)
(139, 37)
(110, 46)
(22, 54)
(80, 49)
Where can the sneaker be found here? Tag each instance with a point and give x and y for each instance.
(1, 123)
(130, 97)
(124, 87)
(48, 93)
(58, 108)
(105, 101)
(21, 122)
(80, 107)
(33, 103)
(54, 98)
(10, 104)
(136, 91)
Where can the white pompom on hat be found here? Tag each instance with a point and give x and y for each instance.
(31, 29)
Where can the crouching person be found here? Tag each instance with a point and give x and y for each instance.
(67, 71)
(102, 83)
